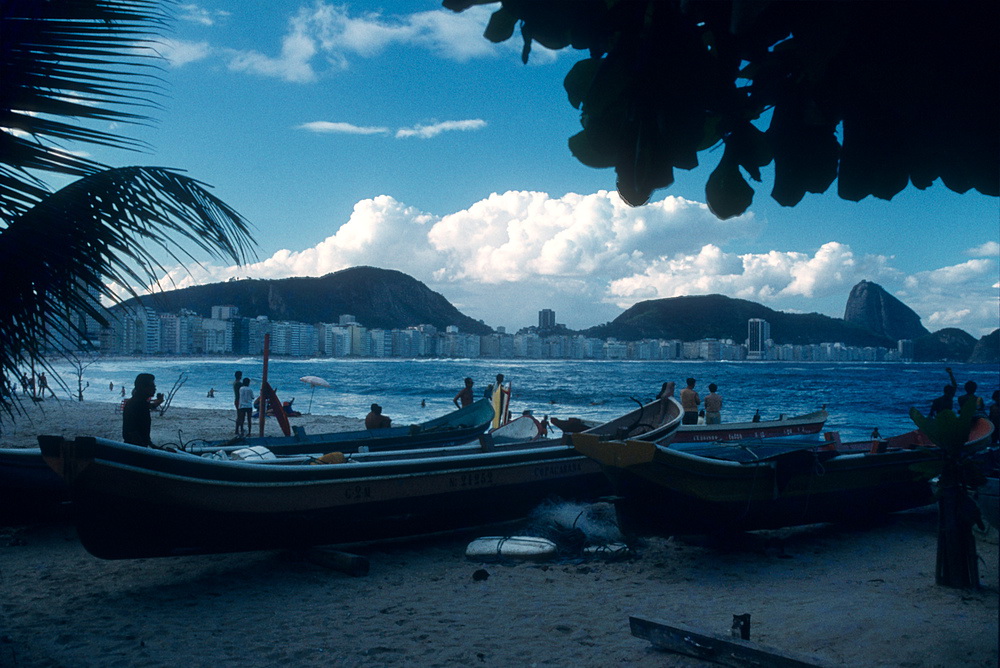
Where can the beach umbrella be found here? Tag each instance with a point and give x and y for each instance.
(315, 381)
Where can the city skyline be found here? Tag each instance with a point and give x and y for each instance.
(144, 331)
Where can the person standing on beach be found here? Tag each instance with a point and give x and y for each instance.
(464, 397)
(970, 395)
(136, 422)
(689, 402)
(237, 384)
(713, 405)
(946, 402)
(244, 408)
(43, 384)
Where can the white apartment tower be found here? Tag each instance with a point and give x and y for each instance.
(758, 334)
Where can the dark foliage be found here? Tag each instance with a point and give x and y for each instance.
(943, 345)
(987, 349)
(69, 68)
(873, 95)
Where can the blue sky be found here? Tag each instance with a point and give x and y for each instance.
(394, 135)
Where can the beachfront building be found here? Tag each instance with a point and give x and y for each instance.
(144, 332)
(225, 312)
(758, 338)
(380, 343)
(295, 339)
(218, 336)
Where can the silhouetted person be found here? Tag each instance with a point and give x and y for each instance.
(689, 402)
(490, 388)
(375, 419)
(244, 406)
(136, 422)
(946, 402)
(970, 396)
(713, 405)
(464, 396)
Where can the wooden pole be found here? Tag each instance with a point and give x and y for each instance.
(263, 382)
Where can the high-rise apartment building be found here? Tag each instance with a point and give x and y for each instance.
(546, 319)
(758, 334)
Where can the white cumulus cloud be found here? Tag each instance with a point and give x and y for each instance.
(770, 278)
(988, 249)
(335, 35)
(590, 256)
(197, 14)
(179, 52)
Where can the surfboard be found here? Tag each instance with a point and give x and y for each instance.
(510, 547)
(501, 405)
(269, 396)
(521, 428)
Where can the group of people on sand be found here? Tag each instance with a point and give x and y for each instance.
(690, 401)
(466, 396)
(946, 402)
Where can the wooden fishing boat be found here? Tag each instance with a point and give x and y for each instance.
(459, 426)
(143, 502)
(29, 488)
(705, 488)
(799, 425)
(642, 422)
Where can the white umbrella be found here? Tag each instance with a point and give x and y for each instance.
(315, 381)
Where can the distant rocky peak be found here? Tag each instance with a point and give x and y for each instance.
(870, 306)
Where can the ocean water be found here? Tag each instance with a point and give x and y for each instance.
(859, 396)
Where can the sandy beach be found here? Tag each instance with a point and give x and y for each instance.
(857, 596)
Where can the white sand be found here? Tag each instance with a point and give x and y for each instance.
(850, 596)
(177, 424)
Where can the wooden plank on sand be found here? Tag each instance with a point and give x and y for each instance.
(717, 648)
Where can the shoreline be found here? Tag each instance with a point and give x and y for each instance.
(103, 419)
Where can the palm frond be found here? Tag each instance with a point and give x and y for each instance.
(103, 227)
(64, 63)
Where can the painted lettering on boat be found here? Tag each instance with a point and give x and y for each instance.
(358, 492)
(472, 479)
(553, 470)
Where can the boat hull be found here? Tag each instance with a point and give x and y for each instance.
(670, 491)
(801, 425)
(134, 502)
(677, 496)
(454, 428)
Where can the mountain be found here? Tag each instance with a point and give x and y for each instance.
(871, 307)
(388, 299)
(721, 317)
(948, 344)
(378, 298)
(987, 349)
